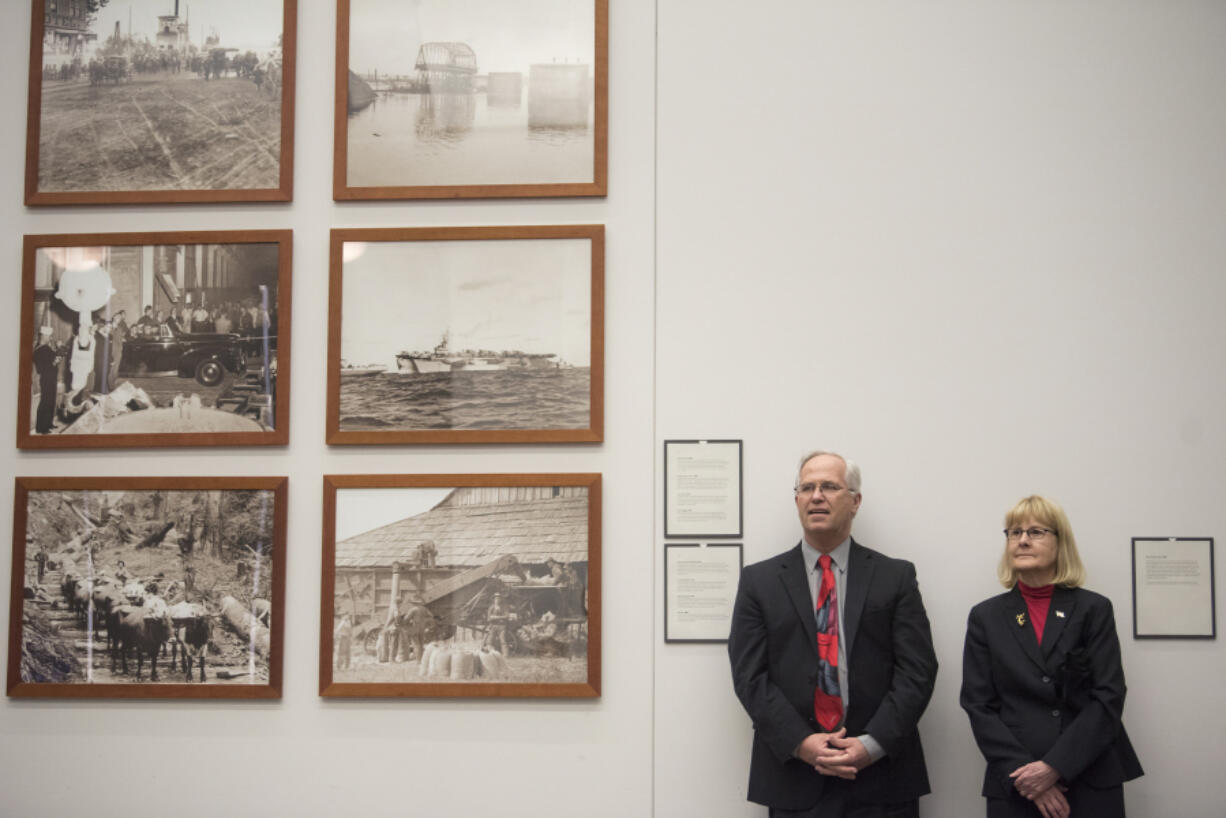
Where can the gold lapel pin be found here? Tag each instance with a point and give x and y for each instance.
(1021, 619)
(1060, 614)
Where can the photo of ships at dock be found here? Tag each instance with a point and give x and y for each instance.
(466, 335)
(489, 92)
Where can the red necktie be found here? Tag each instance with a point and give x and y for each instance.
(827, 703)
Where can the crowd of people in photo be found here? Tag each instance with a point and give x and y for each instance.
(93, 357)
(248, 319)
(122, 58)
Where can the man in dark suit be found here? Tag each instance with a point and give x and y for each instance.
(845, 746)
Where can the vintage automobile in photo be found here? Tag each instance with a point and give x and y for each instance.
(207, 357)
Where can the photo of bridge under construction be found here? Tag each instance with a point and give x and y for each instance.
(162, 95)
(488, 92)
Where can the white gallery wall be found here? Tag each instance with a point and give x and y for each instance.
(981, 248)
(303, 756)
(978, 246)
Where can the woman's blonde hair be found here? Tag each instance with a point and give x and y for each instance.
(1070, 572)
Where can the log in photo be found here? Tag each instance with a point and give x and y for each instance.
(461, 585)
(148, 588)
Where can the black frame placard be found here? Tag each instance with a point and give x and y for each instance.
(703, 549)
(671, 503)
(1176, 587)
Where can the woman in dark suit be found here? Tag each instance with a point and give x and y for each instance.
(1042, 681)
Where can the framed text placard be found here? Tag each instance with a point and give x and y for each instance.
(700, 582)
(702, 488)
(1172, 588)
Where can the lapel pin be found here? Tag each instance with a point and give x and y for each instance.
(1060, 614)
(1021, 619)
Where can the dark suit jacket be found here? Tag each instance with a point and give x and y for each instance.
(891, 670)
(1061, 703)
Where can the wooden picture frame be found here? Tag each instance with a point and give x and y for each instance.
(98, 585)
(127, 109)
(166, 386)
(416, 118)
(495, 578)
(466, 335)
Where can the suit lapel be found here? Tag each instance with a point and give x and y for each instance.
(1063, 601)
(1016, 621)
(796, 583)
(859, 578)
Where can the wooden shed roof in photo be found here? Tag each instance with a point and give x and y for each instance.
(475, 525)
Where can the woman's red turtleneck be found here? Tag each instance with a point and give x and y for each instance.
(1038, 600)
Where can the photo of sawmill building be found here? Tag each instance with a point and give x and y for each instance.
(524, 546)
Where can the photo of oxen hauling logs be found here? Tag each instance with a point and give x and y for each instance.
(160, 101)
(461, 586)
(155, 339)
(148, 587)
(481, 98)
(466, 335)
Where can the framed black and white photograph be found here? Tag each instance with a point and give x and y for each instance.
(147, 587)
(461, 585)
(476, 99)
(466, 335)
(702, 488)
(700, 581)
(1173, 588)
(144, 101)
(155, 339)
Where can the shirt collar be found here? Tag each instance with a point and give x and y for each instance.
(838, 556)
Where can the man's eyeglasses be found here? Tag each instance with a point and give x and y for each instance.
(1015, 534)
(826, 490)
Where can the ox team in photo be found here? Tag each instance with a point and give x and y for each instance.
(160, 100)
(123, 589)
(488, 585)
(164, 340)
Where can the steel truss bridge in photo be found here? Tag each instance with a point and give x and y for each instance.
(446, 66)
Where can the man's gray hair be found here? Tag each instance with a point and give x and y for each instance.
(852, 470)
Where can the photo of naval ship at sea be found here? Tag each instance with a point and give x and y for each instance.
(443, 359)
(467, 335)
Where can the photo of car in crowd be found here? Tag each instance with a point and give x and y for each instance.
(207, 357)
(155, 339)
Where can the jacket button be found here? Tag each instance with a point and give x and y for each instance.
(1056, 713)
(1046, 679)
